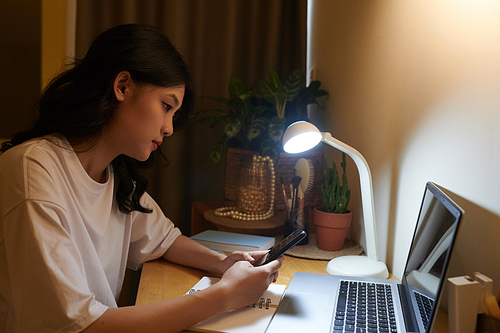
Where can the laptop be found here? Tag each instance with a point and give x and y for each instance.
(328, 303)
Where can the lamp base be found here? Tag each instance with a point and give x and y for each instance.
(357, 266)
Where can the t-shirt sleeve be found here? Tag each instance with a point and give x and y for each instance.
(48, 288)
(151, 236)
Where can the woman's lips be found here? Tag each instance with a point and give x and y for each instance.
(156, 144)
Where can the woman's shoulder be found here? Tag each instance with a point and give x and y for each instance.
(24, 166)
(45, 154)
(38, 148)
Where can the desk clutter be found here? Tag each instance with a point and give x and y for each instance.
(230, 241)
(296, 181)
(283, 169)
(472, 305)
(251, 183)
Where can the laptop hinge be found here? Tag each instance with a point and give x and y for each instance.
(405, 308)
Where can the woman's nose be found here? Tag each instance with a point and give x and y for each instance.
(168, 127)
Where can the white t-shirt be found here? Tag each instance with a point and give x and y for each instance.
(64, 244)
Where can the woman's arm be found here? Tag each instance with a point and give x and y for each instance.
(241, 285)
(187, 252)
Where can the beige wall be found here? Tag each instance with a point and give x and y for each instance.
(415, 87)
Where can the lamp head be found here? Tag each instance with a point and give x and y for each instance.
(301, 136)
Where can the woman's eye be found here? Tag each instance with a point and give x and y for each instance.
(167, 107)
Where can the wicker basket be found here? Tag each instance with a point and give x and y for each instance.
(236, 157)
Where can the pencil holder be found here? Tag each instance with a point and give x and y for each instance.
(297, 219)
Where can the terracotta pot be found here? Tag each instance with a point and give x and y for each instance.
(331, 229)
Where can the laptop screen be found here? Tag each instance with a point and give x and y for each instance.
(429, 255)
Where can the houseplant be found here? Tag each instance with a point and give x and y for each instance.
(255, 118)
(333, 219)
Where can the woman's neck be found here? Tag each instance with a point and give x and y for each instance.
(95, 161)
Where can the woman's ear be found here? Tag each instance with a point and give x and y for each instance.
(122, 85)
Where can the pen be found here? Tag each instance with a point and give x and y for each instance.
(284, 196)
(295, 185)
(284, 192)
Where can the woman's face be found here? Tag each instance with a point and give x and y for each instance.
(144, 116)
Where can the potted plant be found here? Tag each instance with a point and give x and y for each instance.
(256, 118)
(333, 219)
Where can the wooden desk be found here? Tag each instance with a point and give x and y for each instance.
(162, 280)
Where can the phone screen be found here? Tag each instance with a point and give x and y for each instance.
(286, 244)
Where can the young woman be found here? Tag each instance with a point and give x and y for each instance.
(74, 212)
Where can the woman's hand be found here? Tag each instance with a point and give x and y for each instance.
(245, 283)
(251, 257)
(236, 256)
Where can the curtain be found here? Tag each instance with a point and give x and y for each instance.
(218, 39)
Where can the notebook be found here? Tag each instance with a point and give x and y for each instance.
(251, 319)
(224, 241)
(328, 303)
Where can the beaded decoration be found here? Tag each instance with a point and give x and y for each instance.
(248, 209)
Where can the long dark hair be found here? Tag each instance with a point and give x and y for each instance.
(80, 102)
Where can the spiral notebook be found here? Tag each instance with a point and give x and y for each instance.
(252, 319)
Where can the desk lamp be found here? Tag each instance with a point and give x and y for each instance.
(301, 136)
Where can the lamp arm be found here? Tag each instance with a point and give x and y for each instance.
(365, 181)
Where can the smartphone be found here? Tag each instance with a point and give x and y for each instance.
(286, 244)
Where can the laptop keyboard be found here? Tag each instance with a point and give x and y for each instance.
(364, 307)
(425, 305)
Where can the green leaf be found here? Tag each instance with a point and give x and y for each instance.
(232, 128)
(268, 148)
(241, 116)
(312, 93)
(273, 96)
(269, 92)
(257, 127)
(217, 151)
(272, 92)
(237, 88)
(275, 80)
(276, 129)
(258, 110)
(314, 85)
(293, 85)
